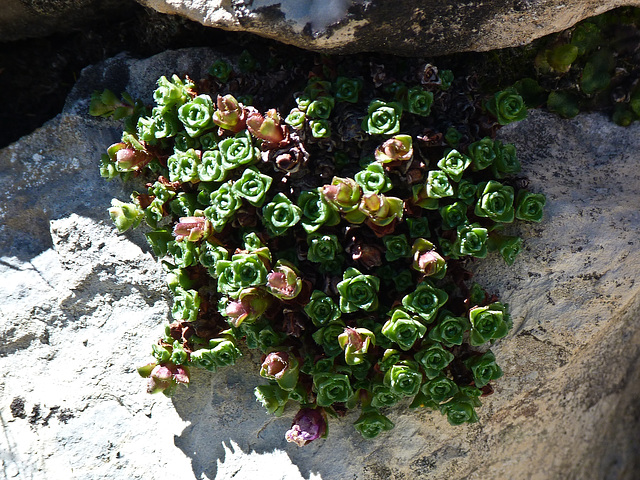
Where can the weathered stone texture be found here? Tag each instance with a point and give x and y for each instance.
(80, 305)
(399, 27)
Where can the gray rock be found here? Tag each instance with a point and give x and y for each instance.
(80, 305)
(20, 19)
(428, 27)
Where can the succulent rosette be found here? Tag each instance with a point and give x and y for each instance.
(316, 211)
(358, 291)
(427, 260)
(356, 342)
(489, 323)
(347, 89)
(186, 304)
(309, 424)
(280, 214)
(223, 205)
(242, 271)
(459, 410)
(439, 388)
(396, 150)
(482, 153)
(282, 367)
(382, 118)
(449, 329)
(506, 162)
(419, 101)
(434, 359)
(125, 215)
(284, 281)
(196, 115)
(222, 352)
(320, 128)
(296, 118)
(425, 301)
(221, 70)
(172, 93)
(320, 107)
(371, 423)
(453, 215)
(418, 227)
(507, 106)
(249, 305)
(396, 247)
(484, 368)
(466, 192)
(438, 185)
(230, 114)
(183, 166)
(508, 246)
(373, 179)
(210, 168)
(495, 201)
(323, 248)
(382, 396)
(471, 240)
(454, 164)
(252, 186)
(403, 329)
(238, 151)
(530, 206)
(404, 378)
(331, 388)
(380, 209)
(184, 254)
(327, 337)
(321, 309)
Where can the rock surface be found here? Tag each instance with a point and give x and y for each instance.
(399, 27)
(80, 305)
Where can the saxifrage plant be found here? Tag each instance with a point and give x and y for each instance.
(332, 235)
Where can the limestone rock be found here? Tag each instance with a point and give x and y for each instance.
(80, 305)
(399, 27)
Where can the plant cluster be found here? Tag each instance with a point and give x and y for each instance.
(333, 237)
(590, 66)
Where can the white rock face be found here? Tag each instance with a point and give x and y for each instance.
(399, 27)
(80, 305)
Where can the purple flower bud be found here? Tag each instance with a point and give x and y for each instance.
(283, 281)
(275, 364)
(266, 127)
(192, 229)
(308, 425)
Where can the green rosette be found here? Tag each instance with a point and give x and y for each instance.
(507, 106)
(425, 301)
(183, 166)
(383, 397)
(371, 423)
(453, 215)
(396, 247)
(489, 323)
(280, 214)
(172, 93)
(209, 254)
(210, 168)
(296, 118)
(418, 227)
(186, 305)
(454, 164)
(223, 205)
(323, 248)
(530, 206)
(484, 368)
(404, 378)
(347, 89)
(459, 410)
(321, 309)
(403, 329)
(382, 118)
(331, 388)
(373, 179)
(434, 359)
(327, 337)
(272, 397)
(196, 115)
(471, 240)
(482, 153)
(506, 163)
(222, 352)
(316, 211)
(439, 388)
(252, 186)
(184, 254)
(419, 101)
(358, 291)
(320, 108)
(466, 192)
(449, 329)
(242, 271)
(238, 151)
(438, 185)
(495, 201)
(320, 128)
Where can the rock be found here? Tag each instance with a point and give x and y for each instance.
(20, 19)
(391, 26)
(80, 305)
